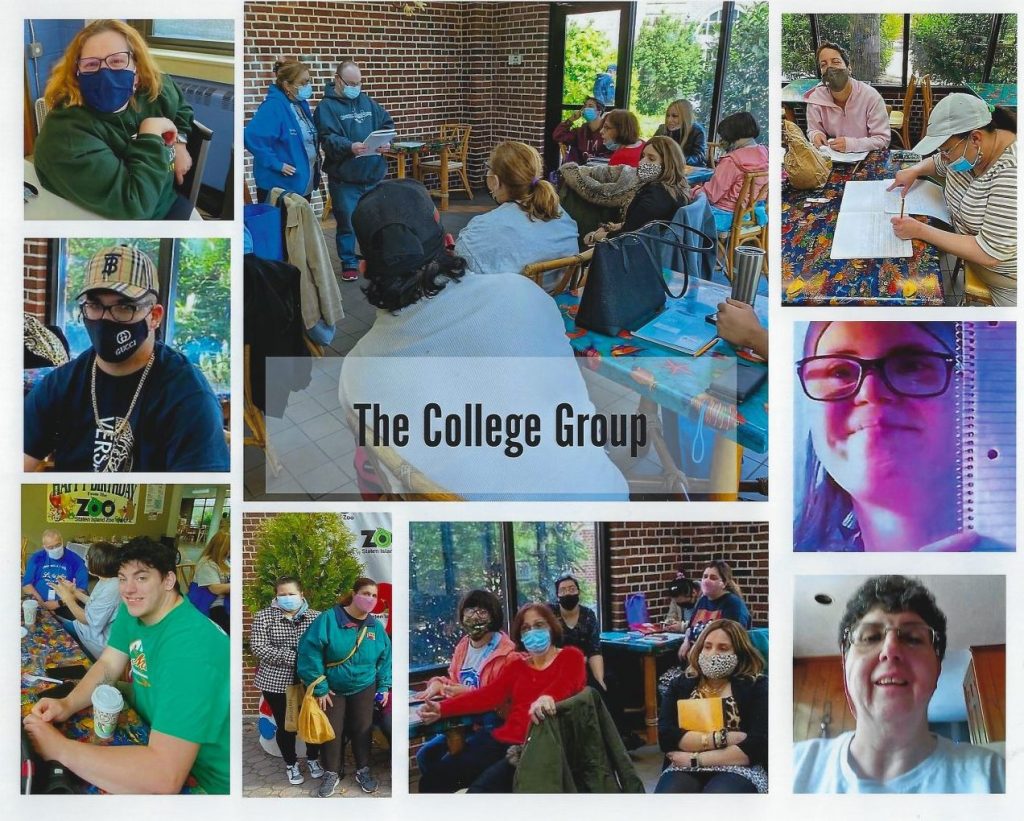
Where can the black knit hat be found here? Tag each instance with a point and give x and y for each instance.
(398, 228)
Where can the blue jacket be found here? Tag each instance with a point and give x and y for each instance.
(341, 122)
(274, 138)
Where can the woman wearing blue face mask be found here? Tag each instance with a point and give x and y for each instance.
(275, 635)
(977, 161)
(113, 141)
(532, 684)
(281, 136)
(584, 140)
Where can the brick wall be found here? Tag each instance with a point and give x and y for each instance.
(250, 695)
(444, 63)
(37, 262)
(645, 556)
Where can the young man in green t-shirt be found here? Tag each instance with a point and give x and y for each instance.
(180, 672)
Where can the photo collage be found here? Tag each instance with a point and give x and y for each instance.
(425, 348)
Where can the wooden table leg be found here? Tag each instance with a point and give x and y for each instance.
(401, 165)
(444, 178)
(651, 698)
(416, 164)
(726, 457)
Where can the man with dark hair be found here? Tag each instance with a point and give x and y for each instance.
(180, 665)
(344, 119)
(129, 402)
(893, 639)
(846, 114)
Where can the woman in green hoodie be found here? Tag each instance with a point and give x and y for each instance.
(113, 141)
(348, 654)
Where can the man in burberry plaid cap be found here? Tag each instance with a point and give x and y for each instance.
(128, 402)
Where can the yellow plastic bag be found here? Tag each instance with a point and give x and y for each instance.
(313, 725)
(702, 715)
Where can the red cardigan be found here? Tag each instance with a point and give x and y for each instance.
(523, 684)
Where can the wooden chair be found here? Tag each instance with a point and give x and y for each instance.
(400, 481)
(926, 104)
(453, 132)
(712, 148)
(572, 272)
(976, 292)
(745, 230)
(186, 572)
(254, 419)
(899, 119)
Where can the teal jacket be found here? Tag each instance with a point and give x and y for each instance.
(97, 161)
(330, 638)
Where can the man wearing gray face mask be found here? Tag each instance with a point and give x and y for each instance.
(843, 113)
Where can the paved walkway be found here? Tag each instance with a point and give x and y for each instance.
(263, 775)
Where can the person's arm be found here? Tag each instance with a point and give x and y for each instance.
(723, 180)
(310, 663)
(262, 137)
(194, 430)
(754, 722)
(30, 590)
(596, 664)
(40, 423)
(175, 107)
(738, 324)
(336, 144)
(699, 149)
(564, 132)
(266, 651)
(66, 593)
(107, 670)
(481, 700)
(964, 246)
(816, 133)
(641, 210)
(384, 664)
(877, 125)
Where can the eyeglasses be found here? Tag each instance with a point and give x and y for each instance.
(869, 636)
(123, 312)
(117, 61)
(476, 611)
(917, 374)
(945, 152)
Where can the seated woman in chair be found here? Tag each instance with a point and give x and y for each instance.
(621, 132)
(736, 135)
(531, 684)
(732, 758)
(664, 189)
(585, 140)
(114, 139)
(680, 126)
(528, 225)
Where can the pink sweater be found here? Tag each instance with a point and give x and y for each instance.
(864, 122)
(723, 189)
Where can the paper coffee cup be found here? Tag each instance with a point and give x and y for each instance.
(107, 704)
(29, 609)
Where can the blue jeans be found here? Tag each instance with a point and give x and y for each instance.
(344, 196)
(442, 772)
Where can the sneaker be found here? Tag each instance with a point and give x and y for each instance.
(328, 785)
(350, 275)
(315, 770)
(367, 783)
(294, 776)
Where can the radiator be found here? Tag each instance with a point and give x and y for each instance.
(214, 106)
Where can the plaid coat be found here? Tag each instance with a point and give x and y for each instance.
(273, 640)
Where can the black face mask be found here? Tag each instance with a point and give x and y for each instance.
(114, 342)
(569, 602)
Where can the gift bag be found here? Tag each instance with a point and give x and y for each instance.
(292, 704)
(806, 166)
(313, 725)
(702, 715)
(626, 285)
(636, 609)
(265, 224)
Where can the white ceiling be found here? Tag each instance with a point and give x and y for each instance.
(975, 608)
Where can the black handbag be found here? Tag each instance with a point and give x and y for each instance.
(625, 287)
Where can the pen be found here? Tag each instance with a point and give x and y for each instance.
(705, 348)
(903, 202)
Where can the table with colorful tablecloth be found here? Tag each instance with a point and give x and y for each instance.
(810, 277)
(1000, 94)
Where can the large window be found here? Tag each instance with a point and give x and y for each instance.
(195, 279)
(955, 49)
(214, 36)
(517, 562)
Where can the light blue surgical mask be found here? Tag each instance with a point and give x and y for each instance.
(590, 114)
(962, 165)
(352, 91)
(289, 603)
(537, 641)
(611, 145)
(305, 92)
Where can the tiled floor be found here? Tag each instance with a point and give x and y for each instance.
(314, 444)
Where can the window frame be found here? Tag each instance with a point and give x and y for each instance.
(145, 28)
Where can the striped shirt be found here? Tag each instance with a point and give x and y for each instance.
(986, 207)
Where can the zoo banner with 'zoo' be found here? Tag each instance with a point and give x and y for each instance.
(97, 504)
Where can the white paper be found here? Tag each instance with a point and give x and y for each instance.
(863, 230)
(378, 138)
(925, 198)
(840, 157)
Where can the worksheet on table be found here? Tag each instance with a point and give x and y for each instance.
(863, 229)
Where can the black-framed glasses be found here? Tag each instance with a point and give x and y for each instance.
(117, 61)
(868, 636)
(476, 611)
(123, 312)
(918, 374)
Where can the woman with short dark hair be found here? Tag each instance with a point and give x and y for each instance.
(478, 659)
(741, 156)
(531, 684)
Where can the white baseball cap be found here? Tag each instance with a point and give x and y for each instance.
(955, 114)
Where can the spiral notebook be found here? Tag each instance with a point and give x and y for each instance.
(988, 455)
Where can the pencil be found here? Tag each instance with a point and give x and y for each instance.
(903, 202)
(705, 348)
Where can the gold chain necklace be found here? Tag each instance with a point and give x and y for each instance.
(123, 440)
(708, 690)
